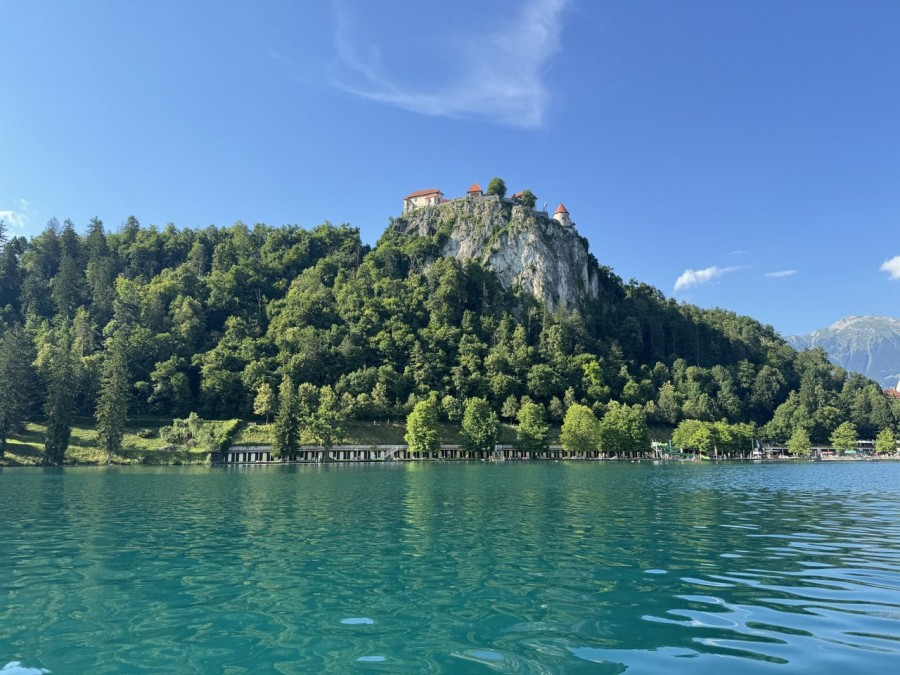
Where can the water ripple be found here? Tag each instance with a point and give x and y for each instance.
(519, 568)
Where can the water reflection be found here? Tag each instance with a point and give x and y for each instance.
(516, 567)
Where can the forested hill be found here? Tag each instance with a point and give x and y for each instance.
(206, 319)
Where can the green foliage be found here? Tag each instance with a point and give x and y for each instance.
(422, 432)
(264, 403)
(453, 408)
(207, 316)
(480, 426)
(510, 407)
(497, 186)
(60, 371)
(886, 442)
(623, 429)
(580, 430)
(844, 437)
(533, 433)
(194, 433)
(799, 443)
(16, 381)
(328, 424)
(112, 406)
(286, 432)
(526, 198)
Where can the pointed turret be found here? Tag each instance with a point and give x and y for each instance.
(561, 215)
(475, 190)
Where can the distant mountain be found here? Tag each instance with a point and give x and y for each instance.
(864, 344)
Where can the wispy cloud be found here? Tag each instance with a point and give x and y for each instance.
(781, 274)
(690, 278)
(17, 218)
(892, 267)
(499, 76)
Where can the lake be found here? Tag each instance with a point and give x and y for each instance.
(452, 567)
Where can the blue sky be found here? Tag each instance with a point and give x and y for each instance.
(743, 155)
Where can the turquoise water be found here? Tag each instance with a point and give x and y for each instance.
(447, 567)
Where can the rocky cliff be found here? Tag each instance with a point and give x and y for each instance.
(525, 248)
(864, 344)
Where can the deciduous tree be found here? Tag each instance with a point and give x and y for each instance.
(264, 403)
(886, 442)
(799, 443)
(422, 427)
(580, 430)
(533, 433)
(480, 426)
(844, 437)
(623, 429)
(328, 422)
(497, 186)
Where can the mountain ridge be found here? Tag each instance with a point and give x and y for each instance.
(867, 344)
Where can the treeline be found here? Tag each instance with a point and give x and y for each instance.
(172, 321)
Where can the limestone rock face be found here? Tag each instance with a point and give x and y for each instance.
(525, 248)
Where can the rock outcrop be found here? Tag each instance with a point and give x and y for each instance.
(526, 249)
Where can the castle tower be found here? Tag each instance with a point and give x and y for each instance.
(562, 216)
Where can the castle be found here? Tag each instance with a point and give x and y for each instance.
(434, 197)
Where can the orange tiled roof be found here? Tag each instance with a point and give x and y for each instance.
(475, 188)
(560, 209)
(422, 193)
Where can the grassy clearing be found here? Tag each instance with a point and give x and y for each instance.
(141, 445)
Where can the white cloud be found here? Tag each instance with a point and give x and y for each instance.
(892, 267)
(781, 274)
(17, 218)
(691, 278)
(500, 75)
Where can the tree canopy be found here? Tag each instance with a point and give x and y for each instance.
(212, 320)
(497, 186)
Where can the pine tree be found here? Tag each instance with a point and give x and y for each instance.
(16, 378)
(286, 434)
(112, 405)
(59, 408)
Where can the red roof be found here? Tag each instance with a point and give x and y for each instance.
(475, 188)
(422, 193)
(560, 209)
(893, 393)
